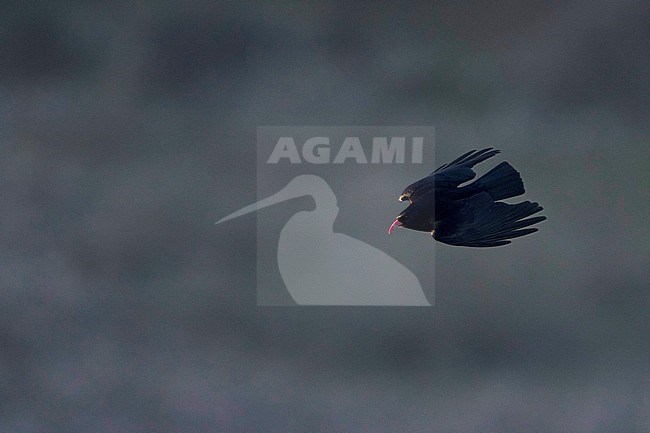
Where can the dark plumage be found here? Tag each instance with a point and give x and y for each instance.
(469, 215)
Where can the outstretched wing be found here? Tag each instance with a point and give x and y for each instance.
(449, 175)
(482, 222)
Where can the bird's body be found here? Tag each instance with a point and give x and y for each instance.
(469, 215)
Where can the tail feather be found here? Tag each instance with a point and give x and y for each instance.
(502, 182)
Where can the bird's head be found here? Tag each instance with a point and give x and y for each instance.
(406, 195)
(412, 218)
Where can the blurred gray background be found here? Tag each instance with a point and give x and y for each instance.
(127, 129)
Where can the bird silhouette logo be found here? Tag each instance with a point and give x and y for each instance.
(321, 267)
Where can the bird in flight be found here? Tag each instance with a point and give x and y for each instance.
(470, 215)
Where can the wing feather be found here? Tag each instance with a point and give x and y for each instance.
(449, 175)
(481, 222)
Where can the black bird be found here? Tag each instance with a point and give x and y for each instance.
(469, 215)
